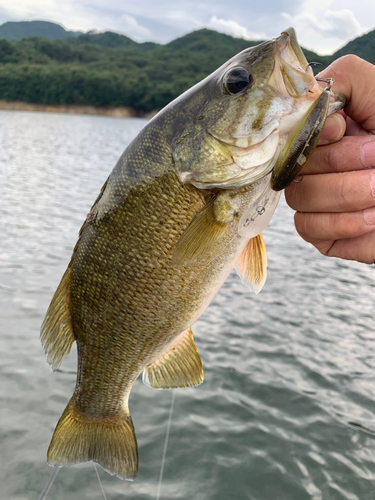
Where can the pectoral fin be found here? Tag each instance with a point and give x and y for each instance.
(252, 265)
(180, 366)
(200, 236)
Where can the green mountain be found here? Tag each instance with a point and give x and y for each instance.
(204, 40)
(109, 69)
(363, 46)
(23, 29)
(110, 39)
(106, 39)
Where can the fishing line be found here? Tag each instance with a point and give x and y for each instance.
(49, 483)
(166, 444)
(101, 486)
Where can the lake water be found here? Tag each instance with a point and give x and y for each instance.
(287, 409)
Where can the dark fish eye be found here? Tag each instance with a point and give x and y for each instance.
(237, 79)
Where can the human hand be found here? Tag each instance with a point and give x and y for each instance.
(335, 202)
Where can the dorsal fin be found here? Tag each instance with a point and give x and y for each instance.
(252, 264)
(180, 366)
(56, 333)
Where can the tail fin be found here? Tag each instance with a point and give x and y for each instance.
(79, 439)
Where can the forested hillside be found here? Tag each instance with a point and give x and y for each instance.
(16, 30)
(363, 46)
(108, 69)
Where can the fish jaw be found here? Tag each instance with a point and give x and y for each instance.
(292, 76)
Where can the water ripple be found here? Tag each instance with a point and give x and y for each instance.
(287, 408)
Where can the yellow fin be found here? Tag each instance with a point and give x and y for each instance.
(198, 238)
(252, 264)
(112, 444)
(180, 366)
(56, 333)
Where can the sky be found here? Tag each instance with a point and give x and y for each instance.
(321, 26)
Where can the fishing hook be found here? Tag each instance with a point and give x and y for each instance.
(313, 64)
(299, 180)
(327, 80)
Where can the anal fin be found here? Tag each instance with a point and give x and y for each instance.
(180, 366)
(56, 333)
(252, 264)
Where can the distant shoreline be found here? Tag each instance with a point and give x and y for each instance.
(115, 112)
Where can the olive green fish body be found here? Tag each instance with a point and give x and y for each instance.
(184, 205)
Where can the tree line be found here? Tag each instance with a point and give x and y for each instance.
(108, 69)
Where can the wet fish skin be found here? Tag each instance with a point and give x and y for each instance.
(179, 211)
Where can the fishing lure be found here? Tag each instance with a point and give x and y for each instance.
(304, 138)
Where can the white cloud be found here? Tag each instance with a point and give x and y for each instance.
(332, 23)
(325, 30)
(341, 23)
(129, 26)
(320, 28)
(84, 18)
(233, 28)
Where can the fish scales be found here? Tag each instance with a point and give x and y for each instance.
(180, 210)
(102, 265)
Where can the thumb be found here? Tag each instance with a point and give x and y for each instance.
(354, 78)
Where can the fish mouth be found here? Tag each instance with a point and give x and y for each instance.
(292, 75)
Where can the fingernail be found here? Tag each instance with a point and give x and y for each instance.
(368, 154)
(369, 216)
(333, 130)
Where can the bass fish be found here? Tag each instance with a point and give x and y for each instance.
(184, 205)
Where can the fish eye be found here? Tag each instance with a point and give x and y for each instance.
(237, 79)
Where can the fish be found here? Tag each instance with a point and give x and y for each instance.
(185, 204)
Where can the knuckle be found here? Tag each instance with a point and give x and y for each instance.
(331, 250)
(346, 63)
(341, 190)
(325, 247)
(350, 60)
(302, 225)
(324, 159)
(334, 224)
(330, 158)
(327, 250)
(346, 225)
(291, 196)
(342, 65)
(338, 226)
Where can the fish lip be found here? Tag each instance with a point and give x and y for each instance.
(282, 41)
(288, 38)
(292, 76)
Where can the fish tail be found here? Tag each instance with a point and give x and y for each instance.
(111, 444)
